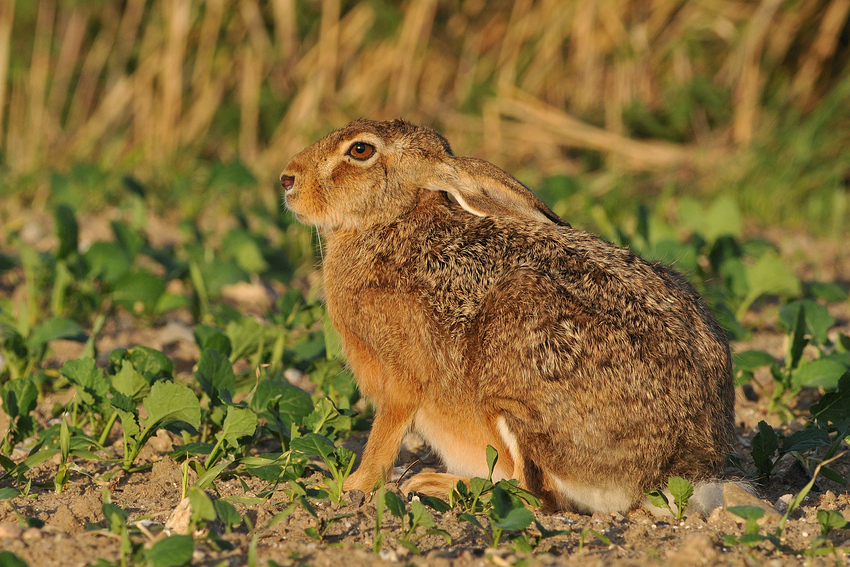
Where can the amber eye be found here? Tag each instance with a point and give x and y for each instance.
(361, 150)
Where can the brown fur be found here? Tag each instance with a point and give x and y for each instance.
(589, 369)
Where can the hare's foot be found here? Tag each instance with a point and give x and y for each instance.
(438, 485)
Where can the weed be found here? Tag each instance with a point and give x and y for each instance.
(418, 516)
(680, 489)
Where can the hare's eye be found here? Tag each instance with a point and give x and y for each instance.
(361, 150)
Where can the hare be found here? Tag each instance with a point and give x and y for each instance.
(472, 314)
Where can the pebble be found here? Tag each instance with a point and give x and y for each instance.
(354, 498)
(32, 534)
(293, 376)
(734, 495)
(10, 530)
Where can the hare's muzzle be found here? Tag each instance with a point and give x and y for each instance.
(287, 181)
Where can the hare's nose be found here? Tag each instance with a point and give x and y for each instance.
(287, 181)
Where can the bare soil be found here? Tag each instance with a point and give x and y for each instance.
(74, 535)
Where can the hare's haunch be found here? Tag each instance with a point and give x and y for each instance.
(485, 319)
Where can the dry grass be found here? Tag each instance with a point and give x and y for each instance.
(145, 82)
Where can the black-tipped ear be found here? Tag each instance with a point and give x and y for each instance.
(485, 190)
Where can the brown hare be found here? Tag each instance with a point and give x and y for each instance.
(473, 315)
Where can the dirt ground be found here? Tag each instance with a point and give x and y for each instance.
(73, 533)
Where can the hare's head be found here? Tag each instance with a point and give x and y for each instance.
(371, 172)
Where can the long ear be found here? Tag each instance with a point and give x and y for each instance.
(487, 191)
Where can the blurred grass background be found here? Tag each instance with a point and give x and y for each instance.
(590, 103)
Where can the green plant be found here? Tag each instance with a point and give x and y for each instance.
(418, 516)
(680, 489)
(806, 322)
(167, 404)
(19, 400)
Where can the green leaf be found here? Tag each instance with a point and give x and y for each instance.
(202, 505)
(241, 246)
(130, 382)
(325, 419)
(657, 498)
(822, 372)
(478, 486)
(151, 363)
(92, 385)
(492, 458)
(107, 261)
(53, 329)
(831, 292)
(132, 241)
(511, 487)
(9, 559)
(437, 504)
(750, 360)
(67, 231)
(394, 504)
(227, 514)
(116, 517)
(681, 489)
(19, 397)
(170, 403)
(220, 273)
(293, 403)
(508, 513)
(830, 520)
(206, 478)
(8, 492)
(312, 444)
(769, 276)
(333, 342)
(764, 445)
(214, 374)
(834, 406)
(210, 337)
(814, 317)
(239, 422)
(421, 516)
(138, 291)
(173, 551)
(806, 439)
(245, 337)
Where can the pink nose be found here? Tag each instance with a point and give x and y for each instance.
(287, 181)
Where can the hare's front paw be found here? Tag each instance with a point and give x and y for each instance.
(438, 485)
(360, 481)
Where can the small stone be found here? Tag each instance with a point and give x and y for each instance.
(10, 530)
(179, 520)
(388, 555)
(354, 498)
(293, 376)
(32, 534)
(600, 518)
(734, 495)
(783, 502)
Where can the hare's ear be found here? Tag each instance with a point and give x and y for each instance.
(487, 191)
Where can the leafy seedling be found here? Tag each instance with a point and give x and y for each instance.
(768, 447)
(418, 516)
(168, 404)
(595, 533)
(507, 513)
(527, 542)
(338, 460)
(19, 400)
(680, 489)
